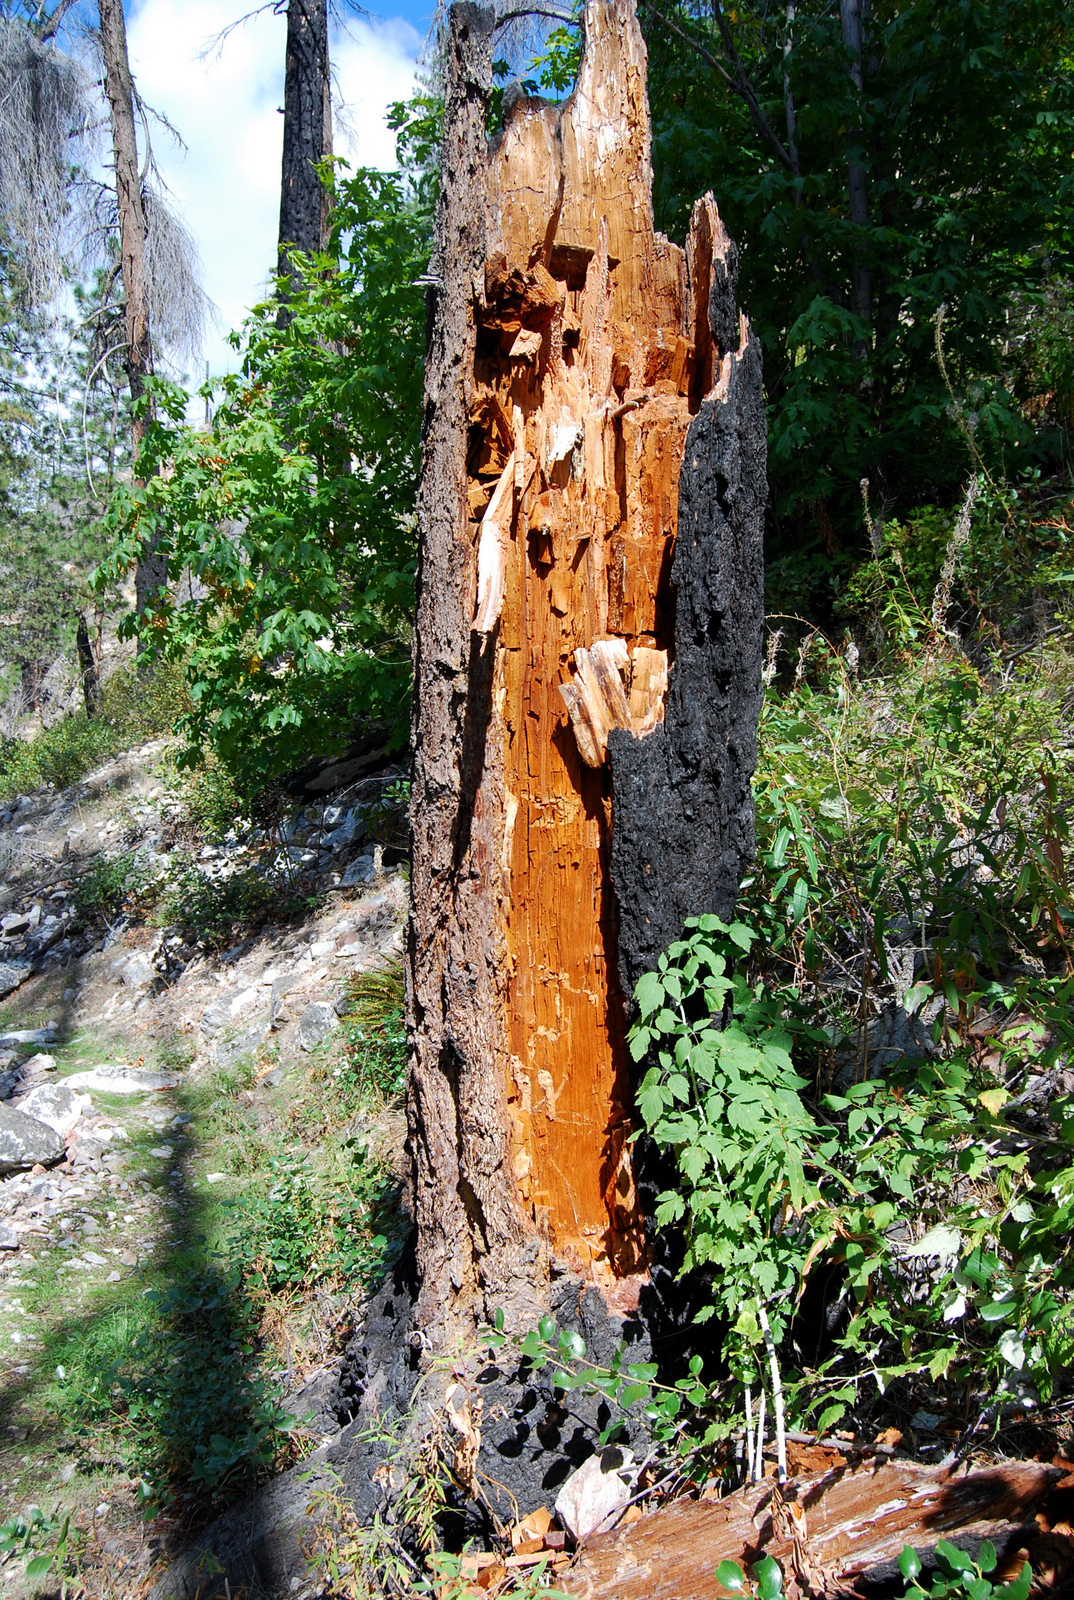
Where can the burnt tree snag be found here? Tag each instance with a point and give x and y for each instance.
(307, 133)
(151, 573)
(587, 662)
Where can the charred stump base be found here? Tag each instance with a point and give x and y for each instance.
(384, 1414)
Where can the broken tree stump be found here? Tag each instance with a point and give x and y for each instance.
(587, 659)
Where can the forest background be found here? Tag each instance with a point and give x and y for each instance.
(899, 179)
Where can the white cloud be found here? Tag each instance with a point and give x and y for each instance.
(224, 104)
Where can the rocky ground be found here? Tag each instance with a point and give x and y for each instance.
(147, 1076)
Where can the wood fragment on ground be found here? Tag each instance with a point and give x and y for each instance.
(826, 1531)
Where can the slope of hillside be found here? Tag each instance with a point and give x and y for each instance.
(178, 1034)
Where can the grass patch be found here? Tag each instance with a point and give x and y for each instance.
(172, 1377)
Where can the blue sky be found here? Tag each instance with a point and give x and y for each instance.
(224, 103)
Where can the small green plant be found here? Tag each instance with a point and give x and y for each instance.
(956, 1573)
(375, 1037)
(773, 1176)
(23, 1536)
(451, 1580)
(674, 1412)
(765, 1580)
(174, 1377)
(111, 884)
(212, 911)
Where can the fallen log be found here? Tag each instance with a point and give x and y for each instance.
(827, 1532)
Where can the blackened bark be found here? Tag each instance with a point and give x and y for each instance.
(151, 574)
(87, 667)
(683, 818)
(307, 131)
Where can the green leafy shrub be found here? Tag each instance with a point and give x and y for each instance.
(110, 884)
(308, 1228)
(913, 833)
(295, 508)
(137, 704)
(24, 1534)
(956, 1573)
(212, 806)
(213, 911)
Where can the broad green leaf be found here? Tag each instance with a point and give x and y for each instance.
(731, 1575)
(1012, 1349)
(996, 1310)
(1018, 1588)
(649, 993)
(769, 1578)
(909, 1563)
(955, 1558)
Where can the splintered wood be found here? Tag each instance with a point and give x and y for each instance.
(593, 352)
(825, 1531)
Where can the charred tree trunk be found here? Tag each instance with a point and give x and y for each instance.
(861, 287)
(87, 667)
(307, 132)
(587, 663)
(151, 574)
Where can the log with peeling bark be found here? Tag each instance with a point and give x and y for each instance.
(827, 1531)
(587, 659)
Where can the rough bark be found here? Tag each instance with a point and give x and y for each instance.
(151, 574)
(589, 386)
(87, 667)
(307, 131)
(463, 1202)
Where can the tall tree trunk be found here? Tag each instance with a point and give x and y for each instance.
(857, 179)
(587, 663)
(87, 667)
(151, 574)
(307, 131)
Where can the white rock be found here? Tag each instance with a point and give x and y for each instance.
(38, 1063)
(315, 1024)
(24, 1141)
(122, 1080)
(591, 1498)
(56, 1104)
(139, 971)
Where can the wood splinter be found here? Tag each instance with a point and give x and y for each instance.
(597, 698)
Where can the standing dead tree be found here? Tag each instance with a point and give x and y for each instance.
(587, 663)
(307, 131)
(152, 572)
